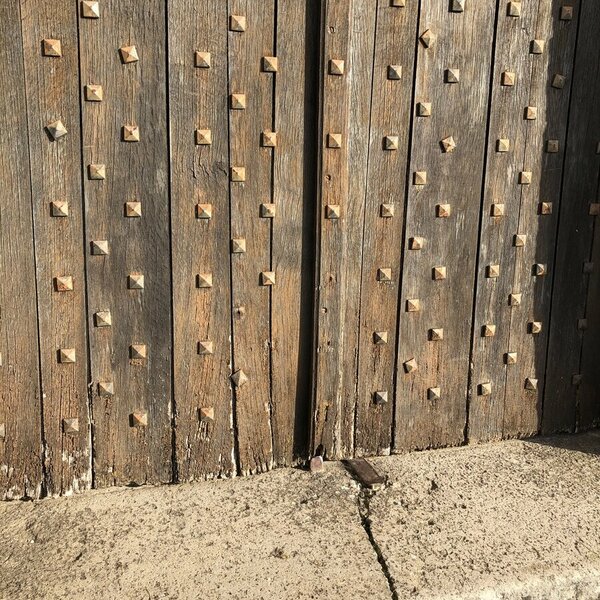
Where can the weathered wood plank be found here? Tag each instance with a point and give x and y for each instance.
(20, 405)
(349, 28)
(431, 399)
(131, 419)
(384, 217)
(251, 114)
(200, 238)
(53, 95)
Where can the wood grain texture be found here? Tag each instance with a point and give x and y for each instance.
(199, 176)
(251, 300)
(53, 94)
(571, 299)
(463, 41)
(134, 94)
(391, 100)
(20, 405)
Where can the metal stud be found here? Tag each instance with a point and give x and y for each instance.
(537, 46)
(457, 6)
(394, 72)
(2, 431)
(135, 281)
(438, 273)
(204, 280)
(237, 23)
(515, 299)
(202, 60)
(63, 283)
(410, 365)
(428, 38)
(398, 3)
(386, 210)
(416, 243)
(70, 426)
(139, 418)
(237, 101)
(545, 208)
(525, 177)
(51, 47)
(268, 139)
(205, 347)
(534, 327)
(448, 144)
(492, 271)
(203, 211)
(423, 109)
(131, 133)
(384, 274)
(558, 81)
(519, 240)
(488, 330)
(106, 388)
(66, 355)
(576, 379)
(133, 209)
(237, 174)
(203, 137)
(332, 211)
(588, 267)
(94, 92)
(497, 210)
(390, 142)
(510, 358)
(484, 389)
(239, 378)
(268, 211)
(99, 247)
(539, 270)
(530, 113)
(436, 334)
(380, 397)
(129, 54)
(97, 171)
(594, 210)
(206, 414)
(59, 208)
(434, 393)
(513, 9)
(334, 140)
(138, 351)
(413, 305)
(502, 145)
(443, 211)
(56, 129)
(90, 10)
(420, 178)
(582, 324)
(267, 278)
(270, 64)
(566, 13)
(380, 338)
(552, 146)
(103, 318)
(238, 245)
(531, 384)
(336, 66)
(508, 78)
(452, 75)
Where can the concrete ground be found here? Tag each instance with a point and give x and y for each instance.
(512, 520)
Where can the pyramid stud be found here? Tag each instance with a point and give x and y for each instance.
(384, 275)
(334, 140)
(410, 365)
(537, 46)
(428, 38)
(390, 142)
(413, 305)
(530, 113)
(519, 240)
(492, 271)
(380, 338)
(135, 281)
(525, 177)
(594, 210)
(237, 23)
(443, 211)
(237, 101)
(576, 379)
(398, 3)
(269, 64)
(138, 351)
(51, 47)
(515, 299)
(588, 267)
(423, 109)
(452, 75)
(139, 418)
(106, 388)
(436, 334)
(203, 137)
(206, 414)
(513, 9)
(103, 318)
(133, 209)
(238, 245)
(488, 330)
(268, 139)
(129, 54)
(558, 81)
(497, 210)
(394, 72)
(56, 129)
(97, 171)
(202, 60)
(336, 66)
(99, 247)
(239, 378)
(59, 208)
(267, 278)
(420, 177)
(204, 280)
(70, 426)
(94, 92)
(434, 393)
(237, 174)
(203, 211)
(508, 78)
(380, 397)
(333, 211)
(539, 270)
(205, 347)
(531, 384)
(566, 13)
(268, 211)
(2, 431)
(438, 273)
(131, 133)
(457, 6)
(502, 145)
(90, 10)
(63, 283)
(582, 324)
(535, 327)
(416, 243)
(448, 144)
(552, 146)
(66, 355)
(510, 358)
(484, 389)
(386, 211)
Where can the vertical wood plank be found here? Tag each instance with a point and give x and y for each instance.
(131, 359)
(431, 399)
(53, 95)
(200, 238)
(393, 67)
(250, 39)
(20, 406)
